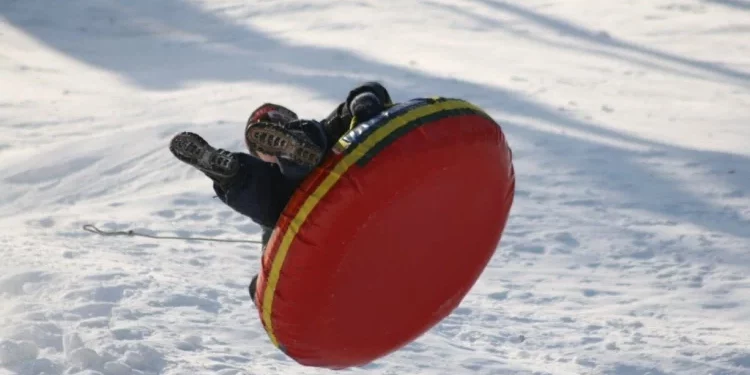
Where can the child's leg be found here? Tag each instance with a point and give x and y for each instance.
(217, 164)
(259, 190)
(248, 185)
(297, 147)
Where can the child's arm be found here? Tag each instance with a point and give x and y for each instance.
(340, 120)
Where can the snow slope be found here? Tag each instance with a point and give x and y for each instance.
(626, 252)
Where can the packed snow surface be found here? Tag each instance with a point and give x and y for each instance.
(626, 252)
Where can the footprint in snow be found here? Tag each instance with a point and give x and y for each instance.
(167, 214)
(24, 282)
(183, 300)
(185, 202)
(111, 294)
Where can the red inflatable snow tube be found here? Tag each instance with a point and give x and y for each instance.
(388, 235)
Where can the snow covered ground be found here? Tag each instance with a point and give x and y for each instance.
(627, 248)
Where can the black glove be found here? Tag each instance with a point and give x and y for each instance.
(365, 106)
(367, 101)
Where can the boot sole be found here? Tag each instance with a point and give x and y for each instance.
(273, 140)
(201, 156)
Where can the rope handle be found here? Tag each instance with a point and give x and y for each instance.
(131, 233)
